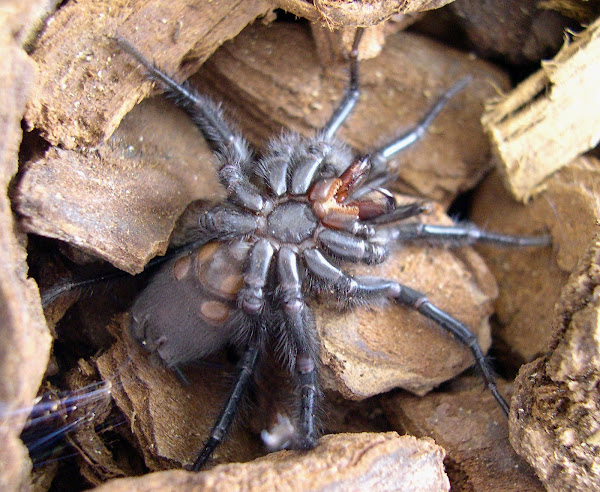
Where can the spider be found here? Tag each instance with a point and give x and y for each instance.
(290, 220)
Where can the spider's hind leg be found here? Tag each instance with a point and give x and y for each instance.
(246, 367)
(300, 334)
(461, 234)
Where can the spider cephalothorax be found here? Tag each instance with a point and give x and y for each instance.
(290, 220)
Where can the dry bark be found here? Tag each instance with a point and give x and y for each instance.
(25, 339)
(530, 281)
(466, 421)
(338, 14)
(550, 118)
(519, 31)
(352, 462)
(555, 413)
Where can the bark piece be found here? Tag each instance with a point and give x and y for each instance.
(171, 420)
(350, 462)
(368, 351)
(333, 46)
(86, 85)
(467, 422)
(25, 339)
(120, 201)
(555, 415)
(530, 279)
(336, 14)
(550, 118)
(268, 79)
(25, 19)
(520, 31)
(583, 11)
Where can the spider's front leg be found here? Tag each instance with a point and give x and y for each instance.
(455, 235)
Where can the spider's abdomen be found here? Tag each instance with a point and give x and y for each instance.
(291, 222)
(200, 310)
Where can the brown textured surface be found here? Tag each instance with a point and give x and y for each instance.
(350, 462)
(120, 201)
(548, 119)
(25, 341)
(341, 13)
(466, 421)
(555, 415)
(530, 281)
(520, 31)
(86, 85)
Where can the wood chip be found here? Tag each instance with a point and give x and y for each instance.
(25, 346)
(87, 85)
(467, 422)
(555, 415)
(530, 279)
(550, 118)
(350, 462)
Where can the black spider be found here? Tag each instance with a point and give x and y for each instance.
(290, 219)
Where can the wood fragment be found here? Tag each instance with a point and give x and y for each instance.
(530, 280)
(25, 345)
(555, 414)
(87, 85)
(120, 201)
(550, 118)
(349, 462)
(340, 13)
(522, 32)
(467, 422)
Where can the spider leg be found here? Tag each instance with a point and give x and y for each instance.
(252, 297)
(246, 367)
(50, 294)
(386, 152)
(300, 326)
(351, 248)
(364, 288)
(351, 95)
(231, 148)
(418, 301)
(459, 235)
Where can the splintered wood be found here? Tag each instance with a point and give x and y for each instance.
(550, 118)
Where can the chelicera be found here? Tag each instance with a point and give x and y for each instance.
(291, 219)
